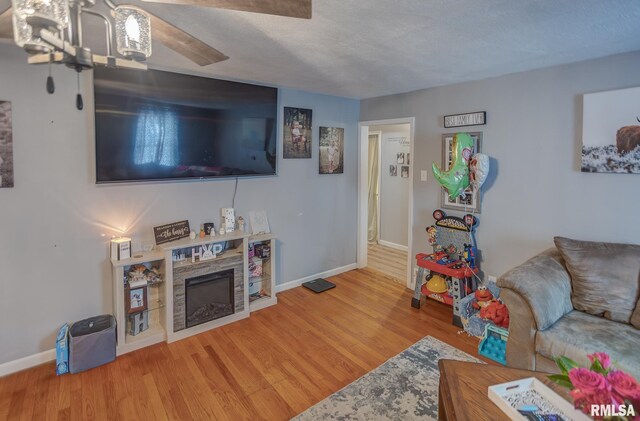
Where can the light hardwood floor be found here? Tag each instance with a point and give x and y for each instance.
(272, 366)
(389, 261)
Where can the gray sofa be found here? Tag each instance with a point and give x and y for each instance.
(544, 323)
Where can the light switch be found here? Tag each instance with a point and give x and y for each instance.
(423, 175)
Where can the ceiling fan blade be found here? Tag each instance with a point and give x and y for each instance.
(183, 43)
(289, 8)
(6, 25)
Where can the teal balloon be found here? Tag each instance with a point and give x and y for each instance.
(456, 178)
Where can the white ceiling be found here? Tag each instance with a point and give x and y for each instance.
(368, 48)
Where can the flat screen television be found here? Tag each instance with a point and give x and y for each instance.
(155, 125)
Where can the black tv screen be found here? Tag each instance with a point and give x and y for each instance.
(154, 125)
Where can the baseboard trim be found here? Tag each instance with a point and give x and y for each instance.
(29, 361)
(333, 272)
(393, 245)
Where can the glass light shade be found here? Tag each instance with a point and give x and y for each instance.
(29, 16)
(133, 32)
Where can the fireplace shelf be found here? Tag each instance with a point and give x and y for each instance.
(166, 314)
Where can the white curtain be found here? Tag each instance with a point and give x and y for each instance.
(374, 188)
(156, 138)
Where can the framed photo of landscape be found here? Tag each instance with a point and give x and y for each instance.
(471, 201)
(611, 132)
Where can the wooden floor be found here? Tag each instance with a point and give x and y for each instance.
(272, 366)
(389, 261)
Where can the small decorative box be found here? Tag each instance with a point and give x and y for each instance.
(121, 248)
(139, 322)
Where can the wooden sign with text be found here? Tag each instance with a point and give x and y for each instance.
(470, 119)
(171, 232)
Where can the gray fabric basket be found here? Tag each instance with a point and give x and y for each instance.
(92, 342)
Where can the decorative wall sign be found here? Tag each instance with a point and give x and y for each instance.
(331, 150)
(171, 232)
(469, 119)
(297, 133)
(611, 131)
(6, 145)
(471, 202)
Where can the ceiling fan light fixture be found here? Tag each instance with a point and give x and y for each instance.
(133, 32)
(30, 16)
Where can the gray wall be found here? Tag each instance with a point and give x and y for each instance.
(394, 191)
(534, 135)
(56, 223)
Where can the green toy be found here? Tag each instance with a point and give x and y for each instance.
(456, 178)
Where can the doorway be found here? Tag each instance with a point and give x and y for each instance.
(385, 184)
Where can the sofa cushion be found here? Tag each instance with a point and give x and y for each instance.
(578, 334)
(635, 317)
(605, 277)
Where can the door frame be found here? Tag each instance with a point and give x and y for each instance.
(363, 161)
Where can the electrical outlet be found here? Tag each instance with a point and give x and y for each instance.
(423, 175)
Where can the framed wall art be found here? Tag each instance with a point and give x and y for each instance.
(471, 201)
(611, 132)
(331, 157)
(297, 133)
(6, 145)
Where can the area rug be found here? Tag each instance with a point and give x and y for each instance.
(403, 388)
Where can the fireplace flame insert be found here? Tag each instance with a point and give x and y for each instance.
(209, 297)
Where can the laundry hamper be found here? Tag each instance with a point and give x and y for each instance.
(92, 342)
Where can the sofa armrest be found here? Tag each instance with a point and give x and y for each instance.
(545, 286)
(521, 350)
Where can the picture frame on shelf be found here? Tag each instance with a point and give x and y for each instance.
(136, 299)
(471, 202)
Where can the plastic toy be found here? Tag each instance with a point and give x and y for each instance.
(450, 235)
(437, 284)
(494, 344)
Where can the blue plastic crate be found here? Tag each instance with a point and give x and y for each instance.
(494, 344)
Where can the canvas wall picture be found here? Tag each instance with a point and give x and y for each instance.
(297, 133)
(331, 150)
(6, 145)
(611, 131)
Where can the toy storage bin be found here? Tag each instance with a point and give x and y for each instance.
(92, 342)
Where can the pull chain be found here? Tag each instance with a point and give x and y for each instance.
(79, 103)
(51, 87)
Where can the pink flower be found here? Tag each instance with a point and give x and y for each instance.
(624, 387)
(588, 381)
(603, 357)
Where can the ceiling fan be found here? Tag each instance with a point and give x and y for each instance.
(51, 31)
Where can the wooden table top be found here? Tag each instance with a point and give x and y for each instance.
(464, 389)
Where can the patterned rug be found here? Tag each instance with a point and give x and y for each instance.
(403, 388)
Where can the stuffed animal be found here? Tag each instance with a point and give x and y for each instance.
(483, 297)
(497, 312)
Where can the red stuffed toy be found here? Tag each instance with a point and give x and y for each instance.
(497, 312)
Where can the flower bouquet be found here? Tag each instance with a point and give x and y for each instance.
(600, 391)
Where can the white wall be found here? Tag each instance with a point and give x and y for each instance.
(55, 224)
(394, 191)
(534, 136)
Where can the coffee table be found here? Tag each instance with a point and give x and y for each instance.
(463, 393)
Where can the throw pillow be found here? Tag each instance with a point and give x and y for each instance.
(605, 277)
